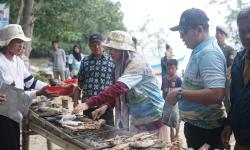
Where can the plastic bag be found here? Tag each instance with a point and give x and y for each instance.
(170, 115)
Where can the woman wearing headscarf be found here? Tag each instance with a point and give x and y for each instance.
(74, 60)
(135, 94)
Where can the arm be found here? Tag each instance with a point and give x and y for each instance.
(50, 56)
(205, 96)
(212, 71)
(70, 62)
(109, 95)
(232, 54)
(64, 56)
(106, 97)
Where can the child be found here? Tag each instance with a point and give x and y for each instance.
(170, 82)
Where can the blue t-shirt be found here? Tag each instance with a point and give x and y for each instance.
(206, 69)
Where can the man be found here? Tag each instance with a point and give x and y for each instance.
(229, 53)
(95, 75)
(200, 99)
(238, 118)
(168, 55)
(58, 58)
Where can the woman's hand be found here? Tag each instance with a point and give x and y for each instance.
(2, 98)
(79, 108)
(99, 112)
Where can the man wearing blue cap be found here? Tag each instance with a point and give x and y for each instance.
(97, 72)
(200, 98)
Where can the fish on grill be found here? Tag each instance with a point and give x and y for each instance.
(48, 111)
(122, 146)
(91, 125)
(141, 140)
(142, 144)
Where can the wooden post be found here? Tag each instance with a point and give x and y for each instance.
(25, 133)
(49, 145)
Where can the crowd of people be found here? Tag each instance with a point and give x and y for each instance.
(211, 99)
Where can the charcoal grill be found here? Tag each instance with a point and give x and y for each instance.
(72, 140)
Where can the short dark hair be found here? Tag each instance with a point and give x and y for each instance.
(55, 41)
(76, 46)
(167, 46)
(243, 14)
(172, 62)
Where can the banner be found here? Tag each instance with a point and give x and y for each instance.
(4, 15)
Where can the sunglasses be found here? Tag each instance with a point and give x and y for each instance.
(184, 30)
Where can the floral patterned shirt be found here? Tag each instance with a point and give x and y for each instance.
(95, 75)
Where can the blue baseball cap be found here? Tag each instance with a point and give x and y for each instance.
(191, 17)
(96, 37)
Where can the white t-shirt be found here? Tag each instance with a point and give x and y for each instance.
(13, 72)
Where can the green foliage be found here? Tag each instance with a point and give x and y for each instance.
(69, 21)
(43, 76)
(73, 21)
(233, 7)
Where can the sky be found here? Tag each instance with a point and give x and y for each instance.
(165, 14)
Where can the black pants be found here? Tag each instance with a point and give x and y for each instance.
(108, 116)
(9, 134)
(196, 137)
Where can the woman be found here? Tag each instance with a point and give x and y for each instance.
(74, 60)
(135, 93)
(14, 73)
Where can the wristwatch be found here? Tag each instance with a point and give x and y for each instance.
(179, 94)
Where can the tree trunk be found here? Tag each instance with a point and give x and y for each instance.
(20, 12)
(27, 23)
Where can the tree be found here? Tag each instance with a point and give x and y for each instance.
(152, 41)
(67, 21)
(233, 7)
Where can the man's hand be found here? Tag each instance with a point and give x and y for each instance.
(225, 136)
(75, 103)
(45, 92)
(79, 108)
(99, 112)
(2, 98)
(171, 97)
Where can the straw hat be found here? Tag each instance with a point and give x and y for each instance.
(10, 32)
(119, 40)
